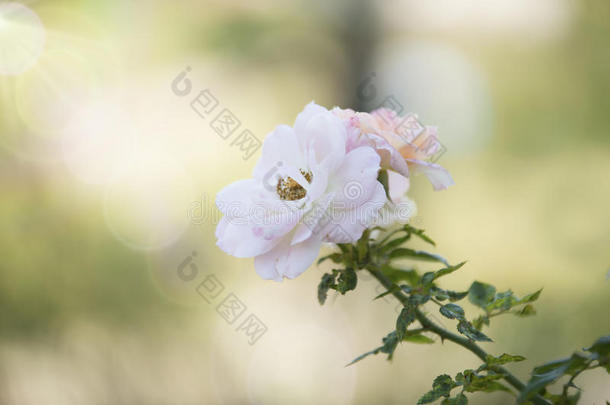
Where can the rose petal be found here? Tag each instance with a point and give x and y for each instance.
(287, 260)
(326, 136)
(355, 180)
(347, 225)
(243, 240)
(436, 174)
(280, 149)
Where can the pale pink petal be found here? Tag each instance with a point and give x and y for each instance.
(436, 174)
(249, 202)
(312, 109)
(313, 220)
(238, 198)
(319, 182)
(355, 180)
(326, 137)
(347, 225)
(287, 260)
(399, 185)
(343, 113)
(243, 240)
(280, 149)
(393, 212)
(390, 156)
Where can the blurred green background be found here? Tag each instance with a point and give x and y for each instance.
(108, 179)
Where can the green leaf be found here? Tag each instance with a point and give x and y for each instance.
(569, 365)
(502, 301)
(487, 386)
(530, 297)
(601, 346)
(328, 280)
(383, 178)
(439, 294)
(429, 397)
(334, 257)
(389, 345)
(460, 379)
(417, 255)
(481, 294)
(479, 321)
(506, 300)
(431, 276)
(527, 310)
(392, 289)
(474, 382)
(427, 278)
(541, 380)
(405, 318)
(452, 311)
(466, 329)
(460, 399)
(362, 356)
(347, 280)
(345, 248)
(442, 295)
(419, 233)
(548, 373)
(447, 270)
(491, 361)
(441, 387)
(550, 366)
(363, 246)
(419, 299)
(417, 338)
(394, 243)
(397, 275)
(443, 384)
(503, 359)
(456, 296)
(578, 363)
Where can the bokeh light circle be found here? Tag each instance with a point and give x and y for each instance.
(78, 66)
(22, 38)
(98, 142)
(48, 94)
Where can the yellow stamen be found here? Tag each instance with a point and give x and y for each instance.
(288, 189)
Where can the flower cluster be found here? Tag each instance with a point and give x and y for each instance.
(326, 179)
(341, 177)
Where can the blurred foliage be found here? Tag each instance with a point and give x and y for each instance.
(553, 97)
(59, 263)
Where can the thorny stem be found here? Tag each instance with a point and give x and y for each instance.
(445, 334)
(576, 374)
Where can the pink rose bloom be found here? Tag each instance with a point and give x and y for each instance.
(365, 129)
(308, 187)
(403, 144)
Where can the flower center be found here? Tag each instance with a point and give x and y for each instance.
(288, 189)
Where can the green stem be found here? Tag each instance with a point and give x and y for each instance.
(445, 334)
(567, 385)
